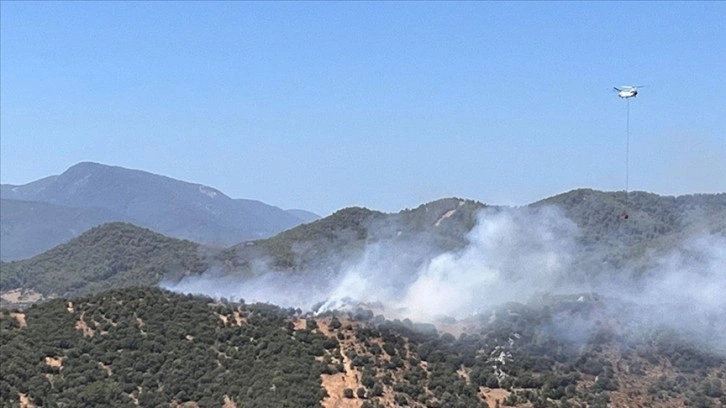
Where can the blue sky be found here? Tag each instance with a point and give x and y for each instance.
(385, 105)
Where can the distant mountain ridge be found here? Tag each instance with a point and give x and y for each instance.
(166, 205)
(110, 337)
(656, 223)
(30, 227)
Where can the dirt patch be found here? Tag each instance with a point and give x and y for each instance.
(54, 361)
(223, 318)
(492, 395)
(21, 296)
(299, 324)
(324, 327)
(445, 216)
(239, 318)
(20, 317)
(106, 368)
(83, 327)
(25, 401)
(464, 374)
(228, 403)
(335, 384)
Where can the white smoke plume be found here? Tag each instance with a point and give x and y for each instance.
(512, 255)
(684, 290)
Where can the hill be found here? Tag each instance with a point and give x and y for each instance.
(389, 249)
(605, 240)
(143, 346)
(656, 224)
(327, 243)
(599, 214)
(172, 207)
(109, 256)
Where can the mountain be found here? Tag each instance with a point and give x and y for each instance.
(655, 224)
(28, 228)
(108, 342)
(108, 256)
(172, 207)
(327, 243)
(121, 254)
(148, 347)
(599, 213)
(321, 250)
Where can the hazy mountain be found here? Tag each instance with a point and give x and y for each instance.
(327, 243)
(172, 207)
(406, 240)
(655, 223)
(28, 228)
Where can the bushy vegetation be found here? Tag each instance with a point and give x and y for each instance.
(517, 348)
(109, 256)
(140, 346)
(437, 227)
(653, 220)
(156, 348)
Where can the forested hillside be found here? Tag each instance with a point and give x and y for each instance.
(110, 256)
(119, 255)
(145, 347)
(434, 227)
(599, 215)
(148, 347)
(655, 225)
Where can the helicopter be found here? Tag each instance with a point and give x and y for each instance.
(627, 91)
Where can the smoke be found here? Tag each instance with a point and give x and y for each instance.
(684, 290)
(511, 255)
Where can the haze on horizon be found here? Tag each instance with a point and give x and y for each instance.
(322, 106)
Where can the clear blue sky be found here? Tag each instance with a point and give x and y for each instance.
(385, 105)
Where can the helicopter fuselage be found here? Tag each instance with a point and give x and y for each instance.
(628, 93)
